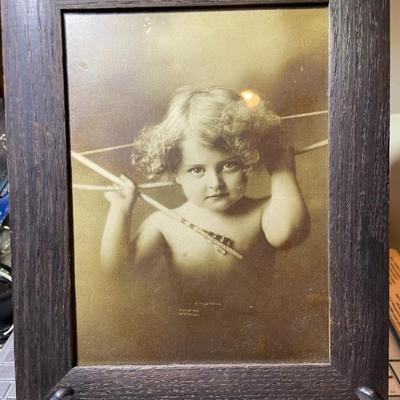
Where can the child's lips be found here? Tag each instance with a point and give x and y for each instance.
(217, 196)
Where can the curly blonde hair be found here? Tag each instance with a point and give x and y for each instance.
(219, 117)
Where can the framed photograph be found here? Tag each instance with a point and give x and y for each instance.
(199, 194)
(178, 288)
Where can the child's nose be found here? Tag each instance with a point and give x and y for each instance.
(214, 180)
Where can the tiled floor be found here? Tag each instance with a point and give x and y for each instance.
(7, 373)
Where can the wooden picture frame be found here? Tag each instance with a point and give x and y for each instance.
(39, 169)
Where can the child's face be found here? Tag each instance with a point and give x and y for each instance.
(210, 178)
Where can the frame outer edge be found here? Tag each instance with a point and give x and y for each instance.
(35, 121)
(359, 154)
(358, 111)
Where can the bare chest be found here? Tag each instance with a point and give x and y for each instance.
(191, 252)
(203, 273)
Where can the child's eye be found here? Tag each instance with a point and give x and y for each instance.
(196, 170)
(231, 166)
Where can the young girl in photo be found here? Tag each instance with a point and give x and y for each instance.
(209, 142)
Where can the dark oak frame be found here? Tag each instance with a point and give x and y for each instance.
(42, 234)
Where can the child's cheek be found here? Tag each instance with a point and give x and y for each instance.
(192, 189)
(242, 184)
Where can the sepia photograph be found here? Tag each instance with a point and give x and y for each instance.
(199, 178)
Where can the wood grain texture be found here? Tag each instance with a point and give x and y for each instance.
(40, 219)
(358, 213)
(38, 195)
(209, 382)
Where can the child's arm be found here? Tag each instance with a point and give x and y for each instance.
(114, 249)
(118, 252)
(285, 219)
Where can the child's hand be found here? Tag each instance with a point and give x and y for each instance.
(124, 196)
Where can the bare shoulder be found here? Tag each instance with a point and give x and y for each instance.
(149, 235)
(151, 229)
(154, 218)
(149, 243)
(152, 225)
